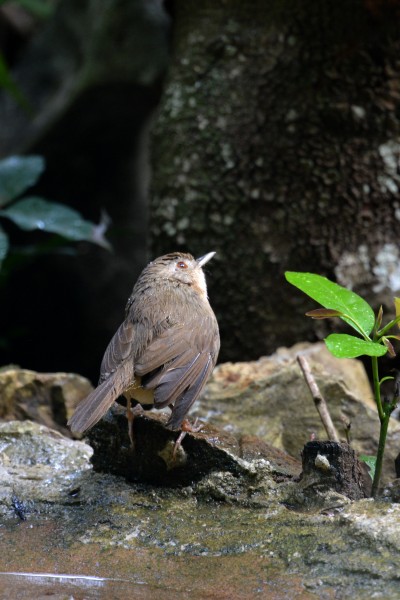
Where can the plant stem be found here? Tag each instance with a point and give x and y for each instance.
(382, 332)
(377, 387)
(379, 454)
(384, 417)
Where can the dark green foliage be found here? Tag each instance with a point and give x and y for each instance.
(17, 173)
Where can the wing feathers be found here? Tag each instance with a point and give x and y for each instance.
(170, 344)
(184, 403)
(118, 350)
(175, 381)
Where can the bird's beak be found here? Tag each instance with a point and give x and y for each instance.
(204, 259)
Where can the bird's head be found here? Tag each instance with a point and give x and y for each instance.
(184, 268)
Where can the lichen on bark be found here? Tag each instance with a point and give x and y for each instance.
(276, 145)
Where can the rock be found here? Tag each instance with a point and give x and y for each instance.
(268, 398)
(201, 453)
(86, 523)
(284, 466)
(46, 398)
(392, 491)
(38, 464)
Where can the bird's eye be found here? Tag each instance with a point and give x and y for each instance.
(182, 265)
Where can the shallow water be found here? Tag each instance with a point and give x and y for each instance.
(37, 563)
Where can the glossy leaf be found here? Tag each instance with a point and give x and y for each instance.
(334, 296)
(18, 173)
(35, 213)
(349, 346)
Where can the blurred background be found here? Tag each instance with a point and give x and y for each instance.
(268, 132)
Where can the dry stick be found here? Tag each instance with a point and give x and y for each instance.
(319, 400)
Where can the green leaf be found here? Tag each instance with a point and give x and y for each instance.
(370, 461)
(349, 346)
(334, 296)
(17, 173)
(35, 213)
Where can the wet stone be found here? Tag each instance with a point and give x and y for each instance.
(38, 465)
(151, 459)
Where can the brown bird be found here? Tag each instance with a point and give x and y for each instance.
(166, 348)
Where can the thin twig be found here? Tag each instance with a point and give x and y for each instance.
(319, 400)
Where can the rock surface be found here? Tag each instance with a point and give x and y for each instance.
(269, 398)
(245, 520)
(192, 538)
(46, 398)
(38, 465)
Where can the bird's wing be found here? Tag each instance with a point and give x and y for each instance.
(178, 363)
(118, 350)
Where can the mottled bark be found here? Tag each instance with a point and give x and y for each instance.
(277, 145)
(334, 466)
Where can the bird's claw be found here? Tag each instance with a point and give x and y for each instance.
(186, 427)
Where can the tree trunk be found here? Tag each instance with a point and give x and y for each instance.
(277, 145)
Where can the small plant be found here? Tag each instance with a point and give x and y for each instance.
(373, 340)
(17, 174)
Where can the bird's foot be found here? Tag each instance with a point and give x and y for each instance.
(185, 428)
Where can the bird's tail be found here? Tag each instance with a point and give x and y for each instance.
(94, 406)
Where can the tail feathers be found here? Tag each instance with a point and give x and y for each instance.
(94, 406)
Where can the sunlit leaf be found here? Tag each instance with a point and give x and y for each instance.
(349, 346)
(18, 173)
(35, 213)
(370, 461)
(334, 296)
(323, 313)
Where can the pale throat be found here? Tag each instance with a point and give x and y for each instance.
(200, 284)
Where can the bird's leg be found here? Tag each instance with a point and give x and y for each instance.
(130, 415)
(185, 427)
